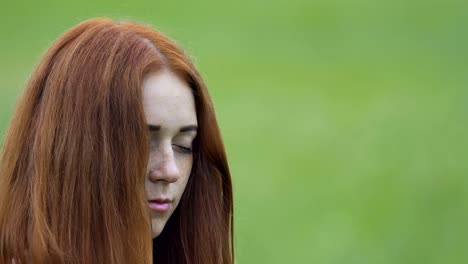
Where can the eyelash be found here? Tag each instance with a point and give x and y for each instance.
(184, 150)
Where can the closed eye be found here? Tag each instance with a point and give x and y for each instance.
(182, 149)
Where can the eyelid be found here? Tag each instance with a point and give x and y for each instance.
(154, 140)
(180, 140)
(185, 138)
(184, 150)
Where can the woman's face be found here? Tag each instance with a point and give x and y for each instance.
(171, 116)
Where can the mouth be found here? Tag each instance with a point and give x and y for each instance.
(160, 205)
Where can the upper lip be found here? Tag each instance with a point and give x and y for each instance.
(160, 200)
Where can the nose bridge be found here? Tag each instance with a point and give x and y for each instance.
(168, 162)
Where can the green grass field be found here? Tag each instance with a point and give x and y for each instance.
(345, 122)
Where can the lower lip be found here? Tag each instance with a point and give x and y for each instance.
(159, 206)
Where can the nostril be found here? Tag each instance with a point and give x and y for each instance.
(165, 171)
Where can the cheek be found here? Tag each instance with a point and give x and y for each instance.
(151, 160)
(185, 167)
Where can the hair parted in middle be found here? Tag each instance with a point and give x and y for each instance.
(73, 163)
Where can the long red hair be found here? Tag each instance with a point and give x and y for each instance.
(78, 142)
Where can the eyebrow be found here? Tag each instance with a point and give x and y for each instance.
(188, 128)
(154, 128)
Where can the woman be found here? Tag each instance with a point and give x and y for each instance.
(114, 155)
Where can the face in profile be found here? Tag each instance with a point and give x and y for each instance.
(170, 112)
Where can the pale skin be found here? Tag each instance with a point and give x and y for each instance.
(170, 112)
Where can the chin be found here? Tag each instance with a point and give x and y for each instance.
(157, 227)
(155, 234)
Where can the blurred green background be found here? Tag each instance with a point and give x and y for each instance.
(345, 122)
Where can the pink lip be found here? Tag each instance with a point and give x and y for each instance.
(159, 205)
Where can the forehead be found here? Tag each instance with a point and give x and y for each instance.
(168, 100)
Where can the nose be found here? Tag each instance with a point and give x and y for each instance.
(165, 168)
